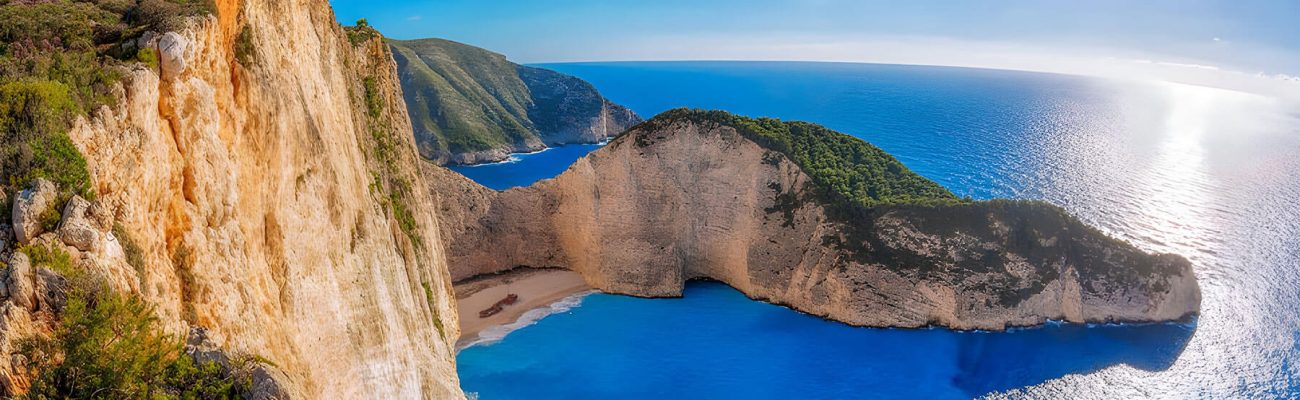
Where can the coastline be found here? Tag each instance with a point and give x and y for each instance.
(513, 157)
(543, 290)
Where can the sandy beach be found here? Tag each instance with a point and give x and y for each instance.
(536, 288)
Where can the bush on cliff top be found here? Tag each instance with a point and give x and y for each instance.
(56, 63)
(842, 164)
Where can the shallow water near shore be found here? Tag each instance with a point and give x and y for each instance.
(1209, 174)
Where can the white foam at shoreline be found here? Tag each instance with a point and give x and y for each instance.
(515, 157)
(494, 334)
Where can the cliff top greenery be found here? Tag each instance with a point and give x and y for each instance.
(56, 60)
(461, 98)
(845, 165)
(873, 182)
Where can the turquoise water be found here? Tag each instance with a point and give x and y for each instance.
(1210, 174)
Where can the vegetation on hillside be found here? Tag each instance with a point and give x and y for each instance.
(841, 164)
(56, 63)
(109, 345)
(59, 60)
(461, 98)
(388, 182)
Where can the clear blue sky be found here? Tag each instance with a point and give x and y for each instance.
(1248, 36)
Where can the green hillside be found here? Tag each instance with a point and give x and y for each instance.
(463, 99)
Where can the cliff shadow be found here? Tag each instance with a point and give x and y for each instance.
(999, 361)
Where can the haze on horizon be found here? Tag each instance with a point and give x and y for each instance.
(1243, 45)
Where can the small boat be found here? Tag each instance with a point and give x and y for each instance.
(490, 311)
(510, 299)
(496, 308)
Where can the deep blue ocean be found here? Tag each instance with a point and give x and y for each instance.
(1210, 174)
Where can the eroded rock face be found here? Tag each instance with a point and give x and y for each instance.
(27, 209)
(244, 186)
(19, 282)
(656, 208)
(75, 229)
(35, 292)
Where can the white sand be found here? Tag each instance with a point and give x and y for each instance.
(535, 288)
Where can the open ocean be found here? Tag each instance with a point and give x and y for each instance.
(1210, 174)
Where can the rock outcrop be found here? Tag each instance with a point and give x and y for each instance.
(29, 206)
(32, 293)
(266, 176)
(681, 198)
(469, 105)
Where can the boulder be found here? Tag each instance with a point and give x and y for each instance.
(28, 207)
(171, 54)
(19, 281)
(264, 381)
(76, 229)
(51, 290)
(267, 382)
(203, 349)
(6, 238)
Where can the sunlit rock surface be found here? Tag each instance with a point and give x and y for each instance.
(684, 199)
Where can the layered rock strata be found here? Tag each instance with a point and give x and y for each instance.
(267, 175)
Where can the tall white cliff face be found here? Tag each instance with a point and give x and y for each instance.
(246, 168)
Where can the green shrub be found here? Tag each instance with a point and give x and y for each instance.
(108, 345)
(168, 15)
(148, 56)
(134, 255)
(384, 152)
(360, 33)
(49, 219)
(433, 306)
(244, 51)
(55, 259)
(112, 346)
(57, 63)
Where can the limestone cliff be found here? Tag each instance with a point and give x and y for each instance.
(267, 174)
(469, 105)
(681, 197)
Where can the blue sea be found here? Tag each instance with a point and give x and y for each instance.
(1210, 174)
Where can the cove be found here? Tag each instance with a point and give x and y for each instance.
(716, 343)
(1205, 173)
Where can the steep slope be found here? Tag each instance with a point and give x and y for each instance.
(470, 105)
(267, 179)
(693, 194)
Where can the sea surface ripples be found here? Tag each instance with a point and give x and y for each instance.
(1209, 174)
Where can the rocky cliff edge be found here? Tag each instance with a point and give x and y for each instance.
(685, 197)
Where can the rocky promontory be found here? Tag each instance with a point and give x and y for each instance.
(469, 105)
(795, 214)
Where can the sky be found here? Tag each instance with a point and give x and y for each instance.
(1246, 44)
